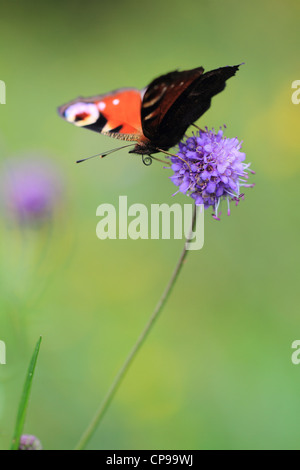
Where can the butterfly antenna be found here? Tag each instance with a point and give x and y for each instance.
(102, 155)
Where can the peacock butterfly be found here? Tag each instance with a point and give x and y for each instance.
(157, 117)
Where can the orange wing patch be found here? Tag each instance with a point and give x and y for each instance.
(122, 109)
(117, 114)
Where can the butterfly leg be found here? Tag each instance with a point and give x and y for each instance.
(173, 155)
(199, 128)
(161, 161)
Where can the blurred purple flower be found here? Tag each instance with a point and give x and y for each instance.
(28, 442)
(209, 168)
(30, 188)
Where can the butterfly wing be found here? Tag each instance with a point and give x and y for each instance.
(174, 101)
(117, 114)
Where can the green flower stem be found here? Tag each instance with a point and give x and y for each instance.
(122, 372)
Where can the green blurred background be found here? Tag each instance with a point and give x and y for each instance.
(216, 372)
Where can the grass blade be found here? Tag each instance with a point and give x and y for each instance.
(25, 398)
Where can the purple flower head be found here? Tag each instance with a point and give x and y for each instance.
(28, 442)
(30, 188)
(210, 167)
